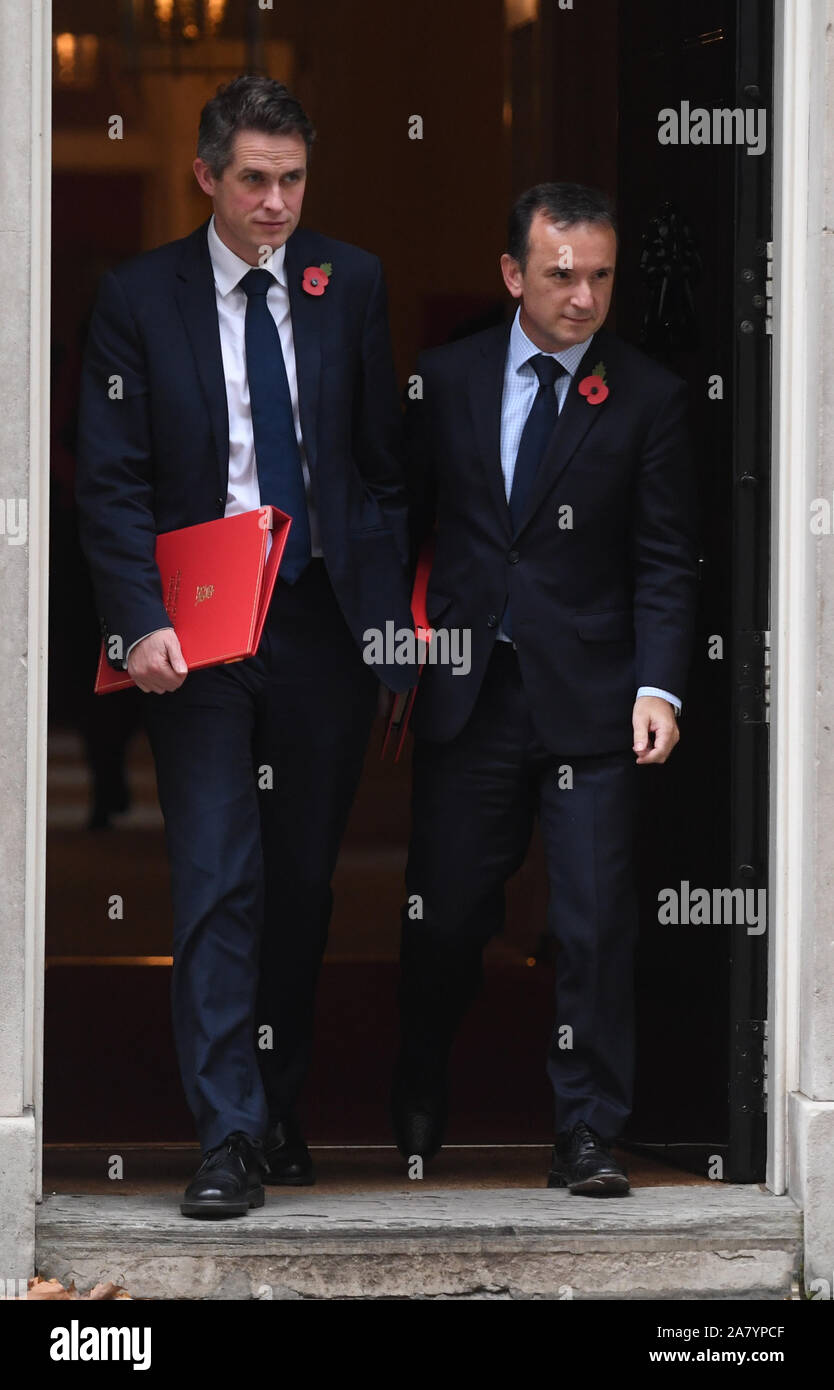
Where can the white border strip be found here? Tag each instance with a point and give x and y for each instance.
(800, 42)
(38, 510)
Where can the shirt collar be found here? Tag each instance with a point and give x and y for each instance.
(522, 349)
(229, 269)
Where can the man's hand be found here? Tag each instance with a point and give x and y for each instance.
(653, 716)
(156, 663)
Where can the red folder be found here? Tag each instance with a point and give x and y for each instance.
(404, 702)
(217, 581)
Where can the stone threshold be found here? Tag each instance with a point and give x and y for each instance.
(716, 1242)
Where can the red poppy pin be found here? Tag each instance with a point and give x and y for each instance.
(317, 278)
(593, 387)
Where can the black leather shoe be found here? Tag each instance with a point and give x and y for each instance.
(229, 1180)
(419, 1114)
(288, 1159)
(582, 1162)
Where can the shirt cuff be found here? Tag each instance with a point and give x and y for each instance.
(664, 695)
(136, 643)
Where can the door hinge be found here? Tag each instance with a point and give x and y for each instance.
(753, 676)
(750, 1066)
(769, 289)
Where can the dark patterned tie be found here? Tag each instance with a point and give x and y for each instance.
(535, 438)
(278, 459)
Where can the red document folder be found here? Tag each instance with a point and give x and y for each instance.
(404, 703)
(217, 581)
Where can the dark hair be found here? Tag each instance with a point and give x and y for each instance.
(567, 203)
(248, 103)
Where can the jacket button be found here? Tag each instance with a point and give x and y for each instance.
(492, 620)
(221, 502)
(513, 557)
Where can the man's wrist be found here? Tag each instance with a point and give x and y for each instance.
(138, 640)
(663, 695)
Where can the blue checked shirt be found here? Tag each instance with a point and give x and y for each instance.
(520, 387)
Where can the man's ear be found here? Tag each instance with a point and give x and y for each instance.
(513, 275)
(204, 177)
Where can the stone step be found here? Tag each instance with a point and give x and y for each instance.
(721, 1242)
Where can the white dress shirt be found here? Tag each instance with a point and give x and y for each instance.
(520, 388)
(243, 492)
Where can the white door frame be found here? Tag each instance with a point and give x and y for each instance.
(799, 91)
(25, 67)
(39, 437)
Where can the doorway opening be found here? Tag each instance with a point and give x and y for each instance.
(544, 93)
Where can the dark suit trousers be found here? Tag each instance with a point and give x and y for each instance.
(474, 803)
(257, 765)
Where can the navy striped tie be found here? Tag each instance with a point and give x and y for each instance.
(278, 459)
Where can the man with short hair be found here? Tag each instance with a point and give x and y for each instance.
(255, 367)
(554, 461)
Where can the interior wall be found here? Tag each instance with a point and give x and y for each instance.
(433, 208)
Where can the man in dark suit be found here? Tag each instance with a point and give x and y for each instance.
(554, 461)
(249, 363)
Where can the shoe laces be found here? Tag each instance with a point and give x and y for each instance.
(236, 1143)
(583, 1138)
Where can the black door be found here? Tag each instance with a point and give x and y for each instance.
(695, 234)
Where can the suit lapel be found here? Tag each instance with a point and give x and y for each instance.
(486, 391)
(307, 312)
(198, 305)
(576, 418)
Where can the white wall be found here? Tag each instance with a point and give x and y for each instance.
(802, 819)
(25, 46)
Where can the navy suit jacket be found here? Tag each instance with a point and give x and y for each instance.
(601, 571)
(158, 458)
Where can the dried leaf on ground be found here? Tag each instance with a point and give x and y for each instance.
(50, 1288)
(40, 1288)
